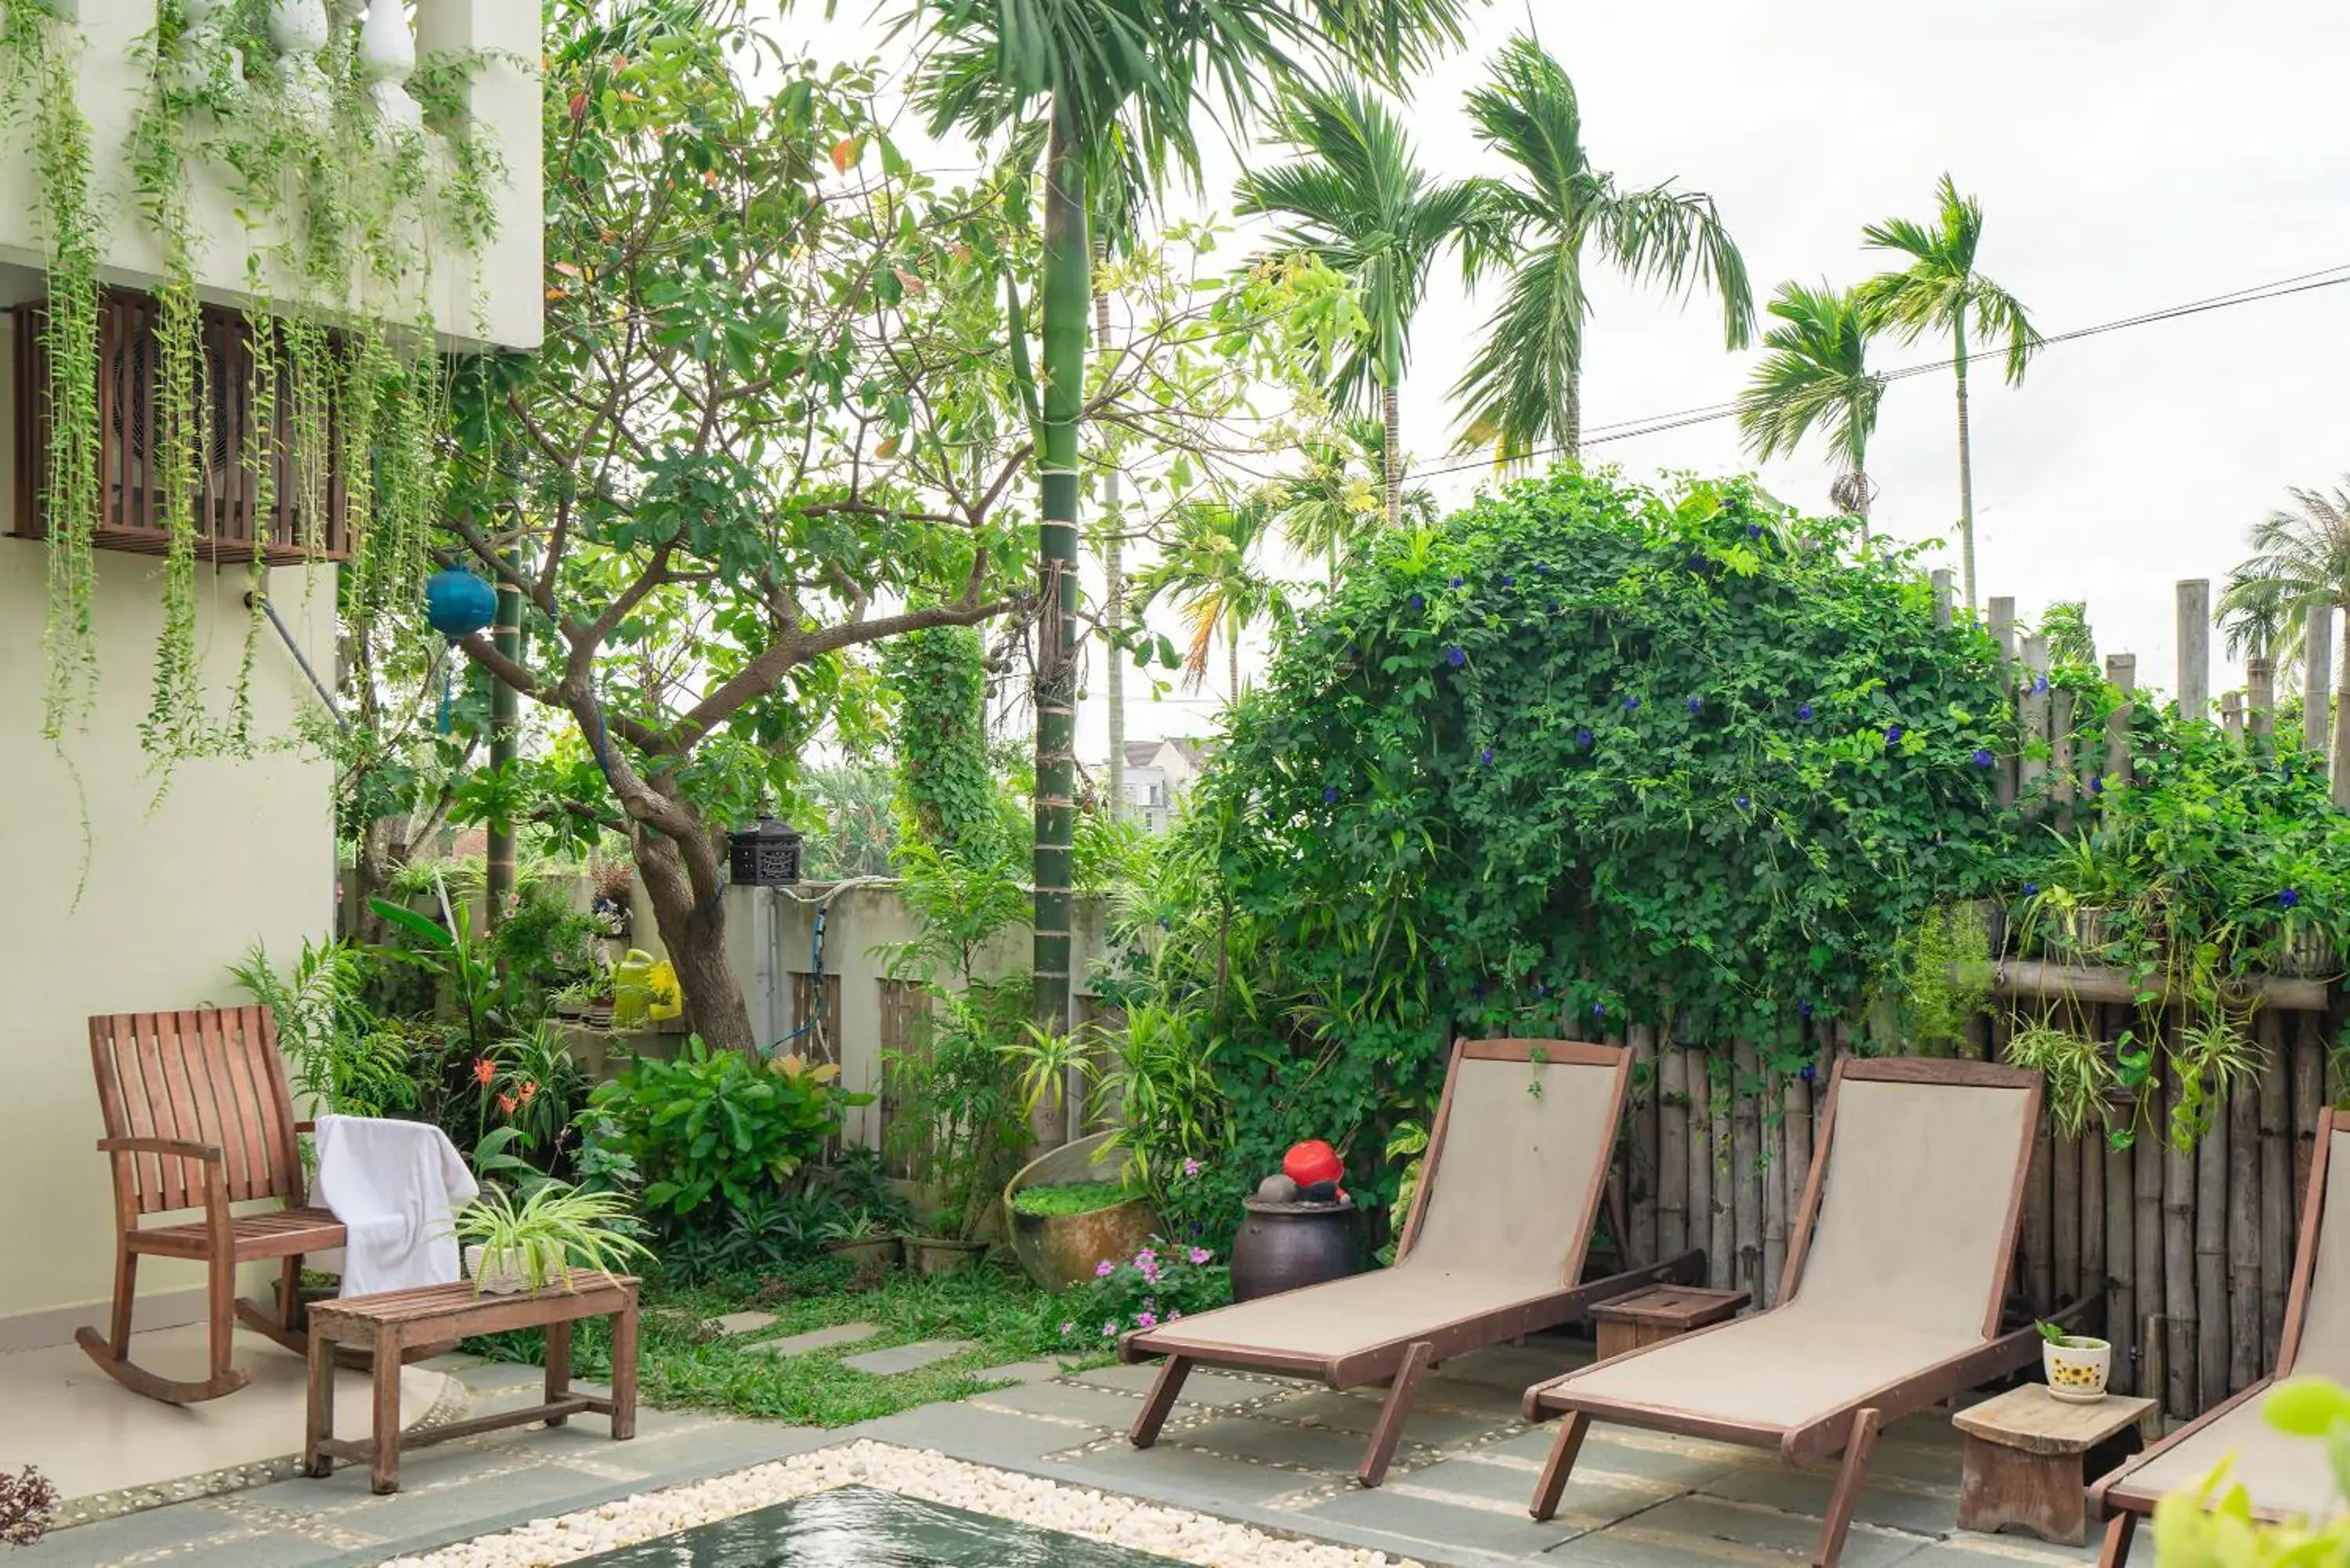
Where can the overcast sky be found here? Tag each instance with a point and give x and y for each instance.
(2130, 155)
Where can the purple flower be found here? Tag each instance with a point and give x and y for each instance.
(1145, 1257)
(1892, 734)
(2289, 897)
(1199, 1254)
(1190, 1168)
(1697, 704)
(1330, 794)
(1419, 601)
(1145, 1320)
(1583, 739)
(1455, 658)
(1631, 704)
(1486, 756)
(1540, 570)
(1068, 1329)
(1982, 758)
(1109, 1329)
(1754, 530)
(1803, 711)
(1105, 1268)
(1174, 1317)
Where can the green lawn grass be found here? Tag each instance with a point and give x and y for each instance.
(682, 1361)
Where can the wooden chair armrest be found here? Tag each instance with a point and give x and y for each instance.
(300, 1127)
(183, 1147)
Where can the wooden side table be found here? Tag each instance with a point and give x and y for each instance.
(2029, 1456)
(1661, 1311)
(395, 1320)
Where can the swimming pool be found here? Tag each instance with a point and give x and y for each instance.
(863, 1527)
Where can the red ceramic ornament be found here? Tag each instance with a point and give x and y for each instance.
(1312, 1161)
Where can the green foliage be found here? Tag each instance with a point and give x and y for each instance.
(945, 785)
(2080, 1074)
(719, 1128)
(344, 1060)
(960, 1120)
(1160, 1284)
(548, 1234)
(2210, 1524)
(1947, 975)
(1067, 1198)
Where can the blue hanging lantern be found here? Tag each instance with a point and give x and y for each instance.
(458, 604)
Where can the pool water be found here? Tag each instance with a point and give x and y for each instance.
(862, 1526)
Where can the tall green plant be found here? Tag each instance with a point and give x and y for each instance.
(1941, 290)
(946, 785)
(1815, 376)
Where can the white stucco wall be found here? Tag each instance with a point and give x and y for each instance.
(496, 296)
(172, 891)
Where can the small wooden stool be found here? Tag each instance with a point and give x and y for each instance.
(391, 1323)
(1662, 1312)
(2029, 1456)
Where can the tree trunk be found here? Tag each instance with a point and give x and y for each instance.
(684, 884)
(1065, 288)
(1966, 471)
(1573, 416)
(1392, 459)
(1113, 603)
(2341, 770)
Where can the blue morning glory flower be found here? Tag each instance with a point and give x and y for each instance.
(1598, 1010)
(1982, 758)
(1582, 737)
(1455, 658)
(1540, 570)
(2031, 889)
(1696, 563)
(2289, 897)
(1486, 756)
(1805, 1007)
(1508, 581)
(1631, 704)
(1330, 794)
(2040, 683)
(1810, 1071)
(1742, 803)
(1754, 530)
(1456, 582)
(1697, 704)
(2097, 784)
(1803, 711)
(1892, 734)
(1419, 601)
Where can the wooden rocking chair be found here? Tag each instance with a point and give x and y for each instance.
(198, 1117)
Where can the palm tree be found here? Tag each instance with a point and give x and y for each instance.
(2257, 622)
(1357, 200)
(2300, 563)
(1337, 500)
(1113, 84)
(1524, 384)
(1209, 569)
(1941, 290)
(1817, 377)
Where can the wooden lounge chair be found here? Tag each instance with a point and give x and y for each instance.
(2285, 1477)
(198, 1117)
(1890, 1300)
(1492, 1248)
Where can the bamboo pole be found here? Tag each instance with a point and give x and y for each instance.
(2032, 720)
(1643, 1175)
(2062, 763)
(2094, 1274)
(1941, 577)
(2039, 1227)
(2211, 1199)
(1672, 1151)
(2146, 1243)
(2316, 679)
(1746, 1168)
(2194, 648)
(2177, 1267)
(2121, 1264)
(2242, 1176)
(2033, 980)
(2121, 673)
(2308, 1100)
(1774, 1126)
(1795, 1157)
(2231, 714)
(1721, 1252)
(2002, 627)
(2276, 1184)
(2064, 1204)
(2259, 701)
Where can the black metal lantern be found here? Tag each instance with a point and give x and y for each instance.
(766, 854)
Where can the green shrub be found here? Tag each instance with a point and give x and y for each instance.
(1066, 1198)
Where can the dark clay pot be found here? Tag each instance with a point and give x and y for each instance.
(1282, 1246)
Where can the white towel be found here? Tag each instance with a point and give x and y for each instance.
(396, 1187)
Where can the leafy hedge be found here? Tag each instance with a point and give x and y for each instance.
(1583, 755)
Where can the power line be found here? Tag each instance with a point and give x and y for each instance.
(1680, 419)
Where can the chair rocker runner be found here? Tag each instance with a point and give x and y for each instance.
(1516, 1163)
(2284, 1477)
(1890, 1298)
(198, 1117)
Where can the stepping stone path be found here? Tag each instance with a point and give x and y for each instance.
(906, 1357)
(817, 1338)
(743, 1321)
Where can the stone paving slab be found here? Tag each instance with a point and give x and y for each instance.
(1441, 1525)
(1357, 1412)
(815, 1339)
(1753, 1530)
(1105, 1409)
(912, 1358)
(1316, 1451)
(743, 1322)
(1202, 1387)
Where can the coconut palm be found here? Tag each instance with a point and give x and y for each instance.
(2300, 563)
(1941, 290)
(1209, 569)
(1524, 385)
(1113, 85)
(1358, 199)
(1817, 377)
(2257, 623)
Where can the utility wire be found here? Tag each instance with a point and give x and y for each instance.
(1654, 424)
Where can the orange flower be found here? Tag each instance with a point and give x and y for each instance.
(506, 1104)
(529, 1088)
(484, 1071)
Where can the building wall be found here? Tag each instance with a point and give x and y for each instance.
(170, 892)
(496, 296)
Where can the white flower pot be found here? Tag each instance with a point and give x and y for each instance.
(2078, 1367)
(502, 1278)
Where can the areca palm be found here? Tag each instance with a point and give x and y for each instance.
(1816, 378)
(1524, 385)
(1941, 290)
(1114, 84)
(2300, 563)
(1358, 199)
(1210, 569)
(1336, 500)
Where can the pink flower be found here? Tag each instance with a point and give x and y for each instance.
(484, 1071)
(1199, 1254)
(1145, 1320)
(506, 1104)
(1109, 1329)
(1173, 1315)
(1190, 1168)
(1104, 1268)
(1145, 1257)
(1068, 1329)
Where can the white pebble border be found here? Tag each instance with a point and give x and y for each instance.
(1187, 1537)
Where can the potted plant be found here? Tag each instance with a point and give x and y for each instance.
(2087, 878)
(863, 1217)
(1070, 1210)
(2075, 1365)
(512, 1248)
